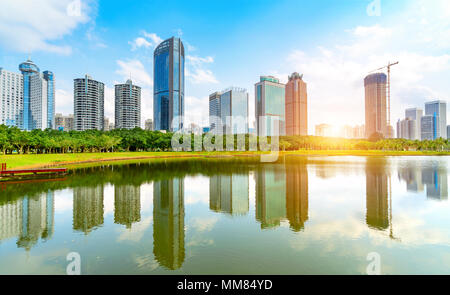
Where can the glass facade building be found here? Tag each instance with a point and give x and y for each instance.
(270, 106)
(168, 93)
(28, 69)
(438, 109)
(50, 81)
(214, 113)
(229, 109)
(429, 127)
(38, 104)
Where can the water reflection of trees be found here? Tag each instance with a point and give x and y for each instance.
(134, 174)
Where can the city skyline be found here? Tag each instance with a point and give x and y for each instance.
(329, 52)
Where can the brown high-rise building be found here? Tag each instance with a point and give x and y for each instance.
(296, 104)
(375, 100)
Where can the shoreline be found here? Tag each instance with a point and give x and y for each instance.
(29, 161)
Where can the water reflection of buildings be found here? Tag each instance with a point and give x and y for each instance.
(433, 177)
(168, 222)
(435, 180)
(270, 195)
(377, 210)
(87, 208)
(28, 219)
(282, 193)
(229, 193)
(127, 204)
(297, 196)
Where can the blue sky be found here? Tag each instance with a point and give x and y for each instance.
(231, 43)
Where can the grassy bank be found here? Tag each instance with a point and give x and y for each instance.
(43, 160)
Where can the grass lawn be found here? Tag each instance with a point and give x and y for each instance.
(41, 160)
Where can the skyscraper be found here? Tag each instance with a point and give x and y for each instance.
(229, 109)
(127, 106)
(270, 107)
(27, 99)
(89, 96)
(28, 69)
(438, 109)
(38, 109)
(413, 116)
(11, 97)
(375, 103)
(429, 127)
(214, 113)
(296, 106)
(168, 93)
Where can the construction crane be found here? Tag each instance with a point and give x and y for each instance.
(388, 91)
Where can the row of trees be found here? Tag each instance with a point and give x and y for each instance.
(13, 140)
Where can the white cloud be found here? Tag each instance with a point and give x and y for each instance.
(136, 70)
(200, 76)
(204, 224)
(153, 37)
(373, 31)
(196, 71)
(138, 43)
(196, 60)
(64, 101)
(147, 40)
(28, 26)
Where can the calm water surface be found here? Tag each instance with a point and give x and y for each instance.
(302, 215)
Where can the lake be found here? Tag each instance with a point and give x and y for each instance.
(300, 215)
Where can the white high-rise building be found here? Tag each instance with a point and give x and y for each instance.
(127, 106)
(11, 97)
(414, 114)
(89, 99)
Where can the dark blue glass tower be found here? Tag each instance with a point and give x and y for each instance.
(168, 93)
